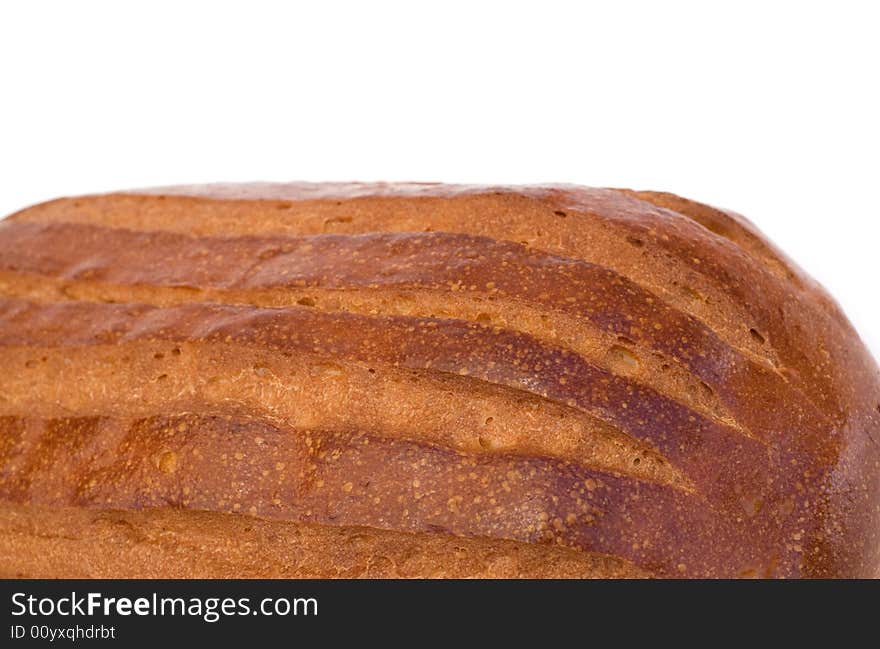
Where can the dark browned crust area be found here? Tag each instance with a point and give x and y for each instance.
(565, 381)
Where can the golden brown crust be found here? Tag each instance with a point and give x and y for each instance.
(600, 371)
(74, 543)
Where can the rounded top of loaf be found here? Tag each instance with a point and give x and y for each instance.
(623, 374)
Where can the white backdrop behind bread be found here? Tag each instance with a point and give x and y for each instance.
(770, 109)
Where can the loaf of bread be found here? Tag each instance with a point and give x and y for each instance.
(416, 380)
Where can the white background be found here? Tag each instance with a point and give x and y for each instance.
(768, 108)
